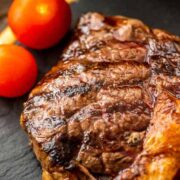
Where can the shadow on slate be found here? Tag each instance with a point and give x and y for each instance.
(17, 162)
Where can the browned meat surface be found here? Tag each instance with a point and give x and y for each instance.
(110, 109)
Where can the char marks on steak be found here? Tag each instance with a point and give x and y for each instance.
(110, 109)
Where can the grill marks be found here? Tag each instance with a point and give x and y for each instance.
(116, 54)
(64, 106)
(94, 73)
(99, 128)
(114, 51)
(112, 109)
(61, 104)
(71, 92)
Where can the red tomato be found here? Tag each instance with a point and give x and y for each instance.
(18, 71)
(39, 24)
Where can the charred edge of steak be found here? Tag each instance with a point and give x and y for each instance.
(62, 150)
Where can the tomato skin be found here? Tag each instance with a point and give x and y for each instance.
(39, 24)
(18, 71)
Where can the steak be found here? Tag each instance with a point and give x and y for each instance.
(110, 108)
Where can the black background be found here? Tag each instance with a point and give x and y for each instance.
(17, 161)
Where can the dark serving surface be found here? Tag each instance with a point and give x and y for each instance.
(16, 158)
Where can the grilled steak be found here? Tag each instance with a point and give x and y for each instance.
(110, 109)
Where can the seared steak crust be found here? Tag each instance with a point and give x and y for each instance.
(110, 109)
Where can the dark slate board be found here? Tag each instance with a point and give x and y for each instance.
(17, 161)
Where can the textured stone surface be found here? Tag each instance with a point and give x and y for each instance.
(17, 161)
